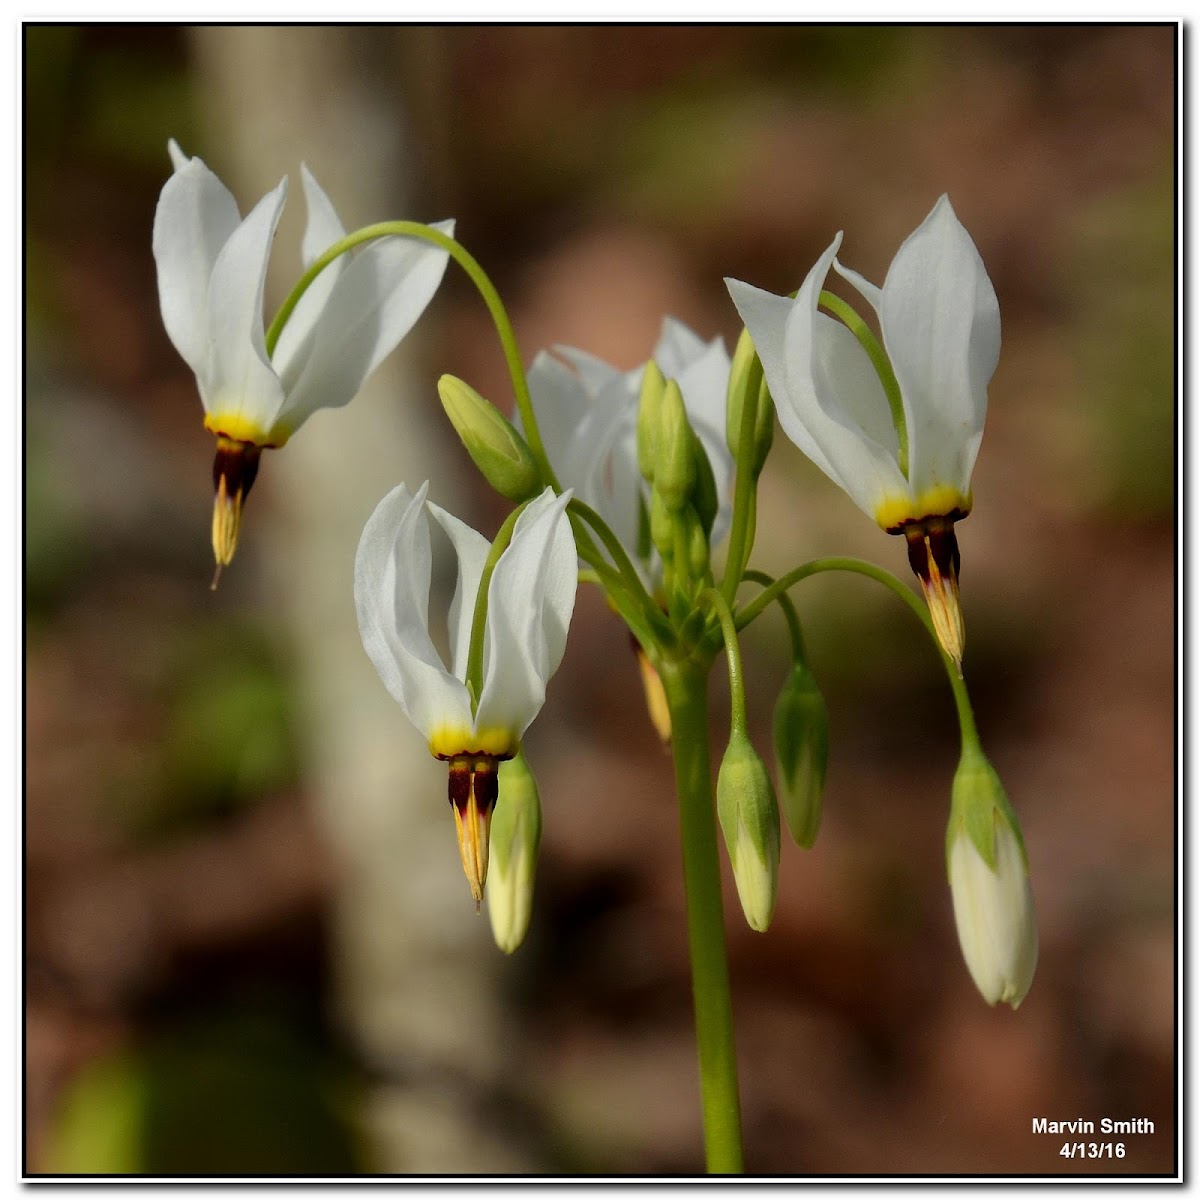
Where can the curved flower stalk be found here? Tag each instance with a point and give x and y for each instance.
(587, 413)
(471, 723)
(212, 267)
(898, 433)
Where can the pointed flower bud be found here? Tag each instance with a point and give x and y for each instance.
(656, 695)
(704, 494)
(989, 883)
(742, 379)
(750, 822)
(649, 414)
(516, 835)
(801, 731)
(495, 447)
(675, 468)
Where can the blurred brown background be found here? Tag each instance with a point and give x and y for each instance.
(248, 944)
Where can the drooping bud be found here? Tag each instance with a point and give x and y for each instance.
(675, 466)
(801, 729)
(989, 884)
(649, 416)
(933, 556)
(234, 471)
(656, 695)
(473, 789)
(746, 383)
(515, 836)
(749, 819)
(495, 446)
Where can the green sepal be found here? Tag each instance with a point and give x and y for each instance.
(978, 801)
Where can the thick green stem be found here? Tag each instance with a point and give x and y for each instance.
(504, 329)
(859, 566)
(686, 685)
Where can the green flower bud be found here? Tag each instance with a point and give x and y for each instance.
(801, 730)
(649, 417)
(515, 836)
(675, 467)
(698, 552)
(989, 884)
(750, 822)
(494, 445)
(746, 381)
(662, 526)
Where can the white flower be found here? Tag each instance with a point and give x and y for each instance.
(994, 914)
(941, 329)
(587, 415)
(529, 603)
(212, 267)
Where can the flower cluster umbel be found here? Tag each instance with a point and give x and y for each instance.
(632, 480)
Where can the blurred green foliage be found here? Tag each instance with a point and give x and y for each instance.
(1125, 341)
(241, 1090)
(229, 737)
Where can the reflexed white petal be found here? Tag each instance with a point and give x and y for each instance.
(829, 400)
(601, 463)
(765, 316)
(374, 303)
(195, 217)
(941, 327)
(993, 912)
(704, 382)
(243, 383)
(179, 160)
(472, 550)
(530, 601)
(321, 231)
(832, 384)
(595, 372)
(391, 592)
(872, 294)
(678, 347)
(560, 402)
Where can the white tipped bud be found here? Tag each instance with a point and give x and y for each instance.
(750, 822)
(515, 837)
(993, 902)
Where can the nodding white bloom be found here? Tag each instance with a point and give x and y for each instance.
(530, 599)
(587, 414)
(212, 266)
(940, 322)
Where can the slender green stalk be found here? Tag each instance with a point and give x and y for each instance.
(795, 629)
(741, 532)
(882, 365)
(686, 685)
(633, 581)
(859, 566)
(508, 339)
(733, 657)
